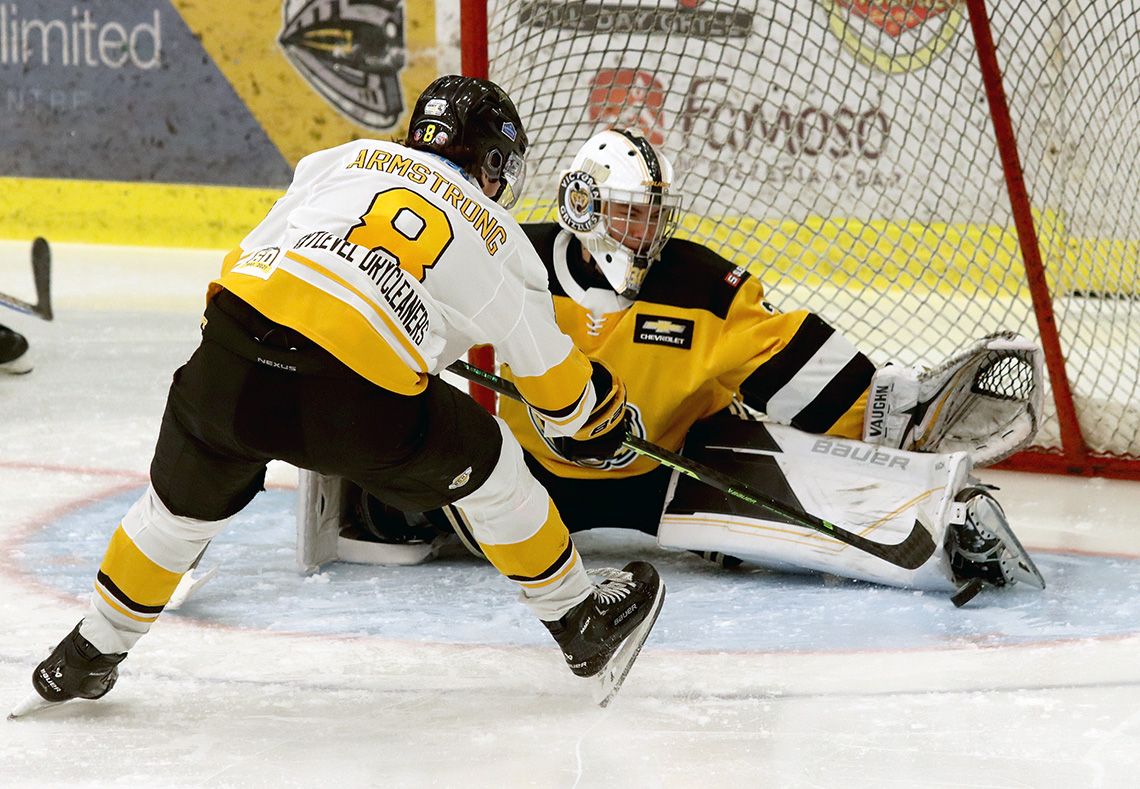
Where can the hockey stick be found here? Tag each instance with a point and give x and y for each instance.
(41, 272)
(909, 554)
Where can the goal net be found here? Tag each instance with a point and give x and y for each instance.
(845, 150)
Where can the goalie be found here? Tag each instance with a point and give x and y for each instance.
(702, 353)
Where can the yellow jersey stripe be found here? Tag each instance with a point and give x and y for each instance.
(537, 555)
(547, 392)
(327, 320)
(143, 581)
(419, 365)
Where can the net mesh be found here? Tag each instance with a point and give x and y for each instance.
(843, 150)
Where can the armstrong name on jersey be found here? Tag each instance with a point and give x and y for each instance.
(419, 173)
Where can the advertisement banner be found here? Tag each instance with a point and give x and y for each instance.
(155, 96)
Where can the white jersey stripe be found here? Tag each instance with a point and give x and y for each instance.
(810, 380)
(384, 325)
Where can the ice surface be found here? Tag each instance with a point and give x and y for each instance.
(435, 675)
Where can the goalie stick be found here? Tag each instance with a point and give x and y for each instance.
(909, 554)
(41, 273)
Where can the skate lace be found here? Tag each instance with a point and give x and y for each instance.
(615, 585)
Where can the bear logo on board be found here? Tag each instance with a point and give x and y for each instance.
(352, 53)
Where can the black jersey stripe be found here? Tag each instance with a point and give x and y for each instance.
(837, 397)
(774, 374)
(106, 582)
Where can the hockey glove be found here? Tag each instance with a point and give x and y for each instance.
(986, 401)
(602, 436)
(597, 449)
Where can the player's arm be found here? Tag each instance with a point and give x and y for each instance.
(574, 397)
(985, 400)
(794, 366)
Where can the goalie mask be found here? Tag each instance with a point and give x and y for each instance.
(615, 199)
(473, 124)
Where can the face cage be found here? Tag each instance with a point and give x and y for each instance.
(624, 206)
(512, 181)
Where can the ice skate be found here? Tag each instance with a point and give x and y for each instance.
(74, 670)
(982, 548)
(375, 533)
(14, 356)
(602, 636)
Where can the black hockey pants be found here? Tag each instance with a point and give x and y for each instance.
(256, 391)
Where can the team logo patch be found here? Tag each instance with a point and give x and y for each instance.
(578, 201)
(351, 52)
(509, 131)
(258, 263)
(736, 276)
(461, 480)
(659, 330)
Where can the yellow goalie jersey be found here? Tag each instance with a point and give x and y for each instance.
(393, 262)
(698, 337)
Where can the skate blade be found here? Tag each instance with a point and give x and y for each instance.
(1017, 559)
(191, 582)
(33, 704)
(614, 673)
(1023, 569)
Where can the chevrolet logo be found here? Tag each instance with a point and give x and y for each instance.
(663, 326)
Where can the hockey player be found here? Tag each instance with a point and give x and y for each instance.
(14, 356)
(321, 344)
(694, 338)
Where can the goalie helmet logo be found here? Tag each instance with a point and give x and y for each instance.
(895, 36)
(351, 52)
(578, 201)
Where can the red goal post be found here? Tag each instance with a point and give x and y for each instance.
(919, 172)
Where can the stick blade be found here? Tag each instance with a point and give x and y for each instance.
(41, 272)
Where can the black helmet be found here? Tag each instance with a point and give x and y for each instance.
(474, 124)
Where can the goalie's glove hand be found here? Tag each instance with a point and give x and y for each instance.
(602, 436)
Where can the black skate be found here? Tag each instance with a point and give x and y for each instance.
(74, 670)
(14, 357)
(602, 635)
(982, 549)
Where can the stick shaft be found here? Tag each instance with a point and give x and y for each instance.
(909, 554)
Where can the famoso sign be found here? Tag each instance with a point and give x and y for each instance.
(712, 114)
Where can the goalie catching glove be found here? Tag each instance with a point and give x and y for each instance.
(985, 401)
(602, 436)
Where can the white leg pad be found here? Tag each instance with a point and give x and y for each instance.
(868, 490)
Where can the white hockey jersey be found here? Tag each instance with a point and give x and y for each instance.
(391, 260)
